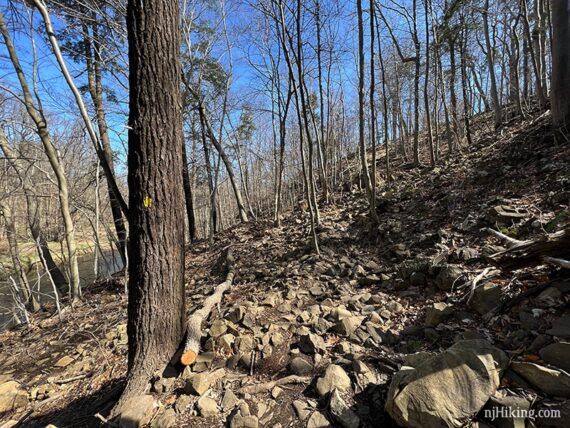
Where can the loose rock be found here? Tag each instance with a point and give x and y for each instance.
(334, 377)
(342, 413)
(553, 382)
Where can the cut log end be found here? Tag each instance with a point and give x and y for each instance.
(188, 358)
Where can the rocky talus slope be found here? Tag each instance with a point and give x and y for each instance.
(406, 323)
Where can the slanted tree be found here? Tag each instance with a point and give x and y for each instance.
(155, 325)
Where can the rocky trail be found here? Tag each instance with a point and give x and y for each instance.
(411, 323)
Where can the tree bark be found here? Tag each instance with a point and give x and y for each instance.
(491, 65)
(156, 226)
(560, 101)
(368, 183)
(94, 79)
(188, 196)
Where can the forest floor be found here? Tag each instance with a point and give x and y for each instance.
(345, 322)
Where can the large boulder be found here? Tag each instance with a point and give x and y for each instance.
(446, 390)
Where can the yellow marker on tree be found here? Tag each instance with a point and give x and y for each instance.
(147, 202)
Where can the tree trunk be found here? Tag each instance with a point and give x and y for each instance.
(94, 78)
(416, 85)
(188, 197)
(464, 86)
(21, 279)
(369, 183)
(452, 89)
(533, 54)
(321, 140)
(156, 226)
(210, 132)
(560, 88)
(491, 65)
(426, 87)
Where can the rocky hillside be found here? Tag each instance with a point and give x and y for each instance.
(424, 321)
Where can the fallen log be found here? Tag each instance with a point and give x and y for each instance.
(554, 247)
(194, 323)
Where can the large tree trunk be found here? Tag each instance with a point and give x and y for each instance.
(156, 197)
(560, 88)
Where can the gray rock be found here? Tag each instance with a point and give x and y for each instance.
(200, 383)
(363, 373)
(447, 389)
(334, 377)
(311, 344)
(550, 381)
(236, 314)
(166, 420)
(418, 279)
(506, 214)
(553, 420)
(229, 401)
(448, 277)
(300, 366)
(438, 313)
(12, 396)
(550, 295)
(369, 280)
(557, 354)
(529, 321)
(207, 407)
(486, 297)
(338, 314)
(342, 413)
(347, 326)
(414, 360)
(218, 328)
(560, 327)
(136, 411)
(182, 403)
(239, 421)
(500, 407)
(226, 342)
(271, 300)
(318, 420)
(301, 409)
